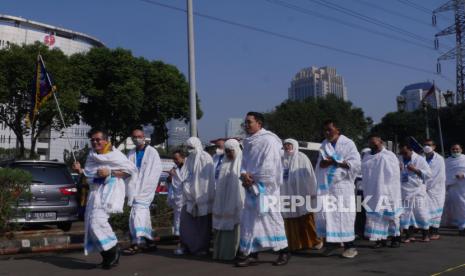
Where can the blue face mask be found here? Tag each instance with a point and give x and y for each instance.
(456, 154)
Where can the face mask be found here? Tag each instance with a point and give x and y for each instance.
(219, 151)
(456, 154)
(427, 149)
(138, 141)
(190, 151)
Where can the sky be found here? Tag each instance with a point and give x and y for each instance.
(239, 69)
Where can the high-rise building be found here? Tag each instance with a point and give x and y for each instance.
(234, 128)
(414, 94)
(314, 82)
(178, 132)
(16, 30)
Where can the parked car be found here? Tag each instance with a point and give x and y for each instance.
(167, 165)
(311, 149)
(53, 197)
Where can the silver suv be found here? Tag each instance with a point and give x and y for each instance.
(53, 198)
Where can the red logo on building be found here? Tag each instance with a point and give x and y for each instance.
(49, 40)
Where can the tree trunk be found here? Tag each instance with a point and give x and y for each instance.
(32, 154)
(20, 141)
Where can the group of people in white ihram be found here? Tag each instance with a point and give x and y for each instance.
(224, 195)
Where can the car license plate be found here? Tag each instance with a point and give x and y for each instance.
(41, 216)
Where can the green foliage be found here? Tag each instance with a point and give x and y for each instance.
(453, 122)
(120, 222)
(162, 215)
(303, 120)
(81, 156)
(17, 68)
(123, 92)
(396, 126)
(15, 184)
(10, 154)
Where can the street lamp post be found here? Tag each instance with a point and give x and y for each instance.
(192, 84)
(449, 97)
(425, 108)
(401, 105)
(401, 102)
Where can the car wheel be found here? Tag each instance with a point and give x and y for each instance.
(65, 226)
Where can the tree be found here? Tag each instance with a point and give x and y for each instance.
(81, 156)
(302, 120)
(15, 185)
(17, 69)
(453, 122)
(397, 126)
(122, 92)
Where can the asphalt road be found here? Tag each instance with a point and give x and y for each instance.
(411, 259)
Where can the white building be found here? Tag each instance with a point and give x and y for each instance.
(178, 132)
(234, 128)
(17, 30)
(414, 94)
(314, 82)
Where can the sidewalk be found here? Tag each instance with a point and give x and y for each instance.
(51, 239)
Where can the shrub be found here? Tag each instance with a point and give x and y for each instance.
(14, 184)
(160, 211)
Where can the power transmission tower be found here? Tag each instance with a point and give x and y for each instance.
(458, 28)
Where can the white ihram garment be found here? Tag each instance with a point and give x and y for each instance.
(262, 229)
(381, 186)
(106, 196)
(414, 196)
(299, 179)
(141, 193)
(229, 194)
(436, 189)
(455, 200)
(175, 199)
(336, 183)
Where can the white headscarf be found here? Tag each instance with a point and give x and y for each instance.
(229, 194)
(199, 186)
(301, 179)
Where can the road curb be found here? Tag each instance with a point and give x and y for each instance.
(55, 242)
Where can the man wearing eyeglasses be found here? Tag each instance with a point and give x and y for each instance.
(106, 170)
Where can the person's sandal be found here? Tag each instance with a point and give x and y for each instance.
(408, 240)
(133, 250)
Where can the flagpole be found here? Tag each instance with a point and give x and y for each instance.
(59, 111)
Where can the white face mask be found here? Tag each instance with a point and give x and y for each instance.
(138, 141)
(219, 151)
(456, 154)
(427, 149)
(190, 151)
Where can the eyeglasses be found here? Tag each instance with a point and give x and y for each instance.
(96, 140)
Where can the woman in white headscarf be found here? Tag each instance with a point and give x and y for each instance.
(300, 185)
(198, 193)
(228, 203)
(454, 214)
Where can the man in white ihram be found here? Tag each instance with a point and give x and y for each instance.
(261, 176)
(106, 169)
(142, 191)
(337, 168)
(381, 187)
(435, 186)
